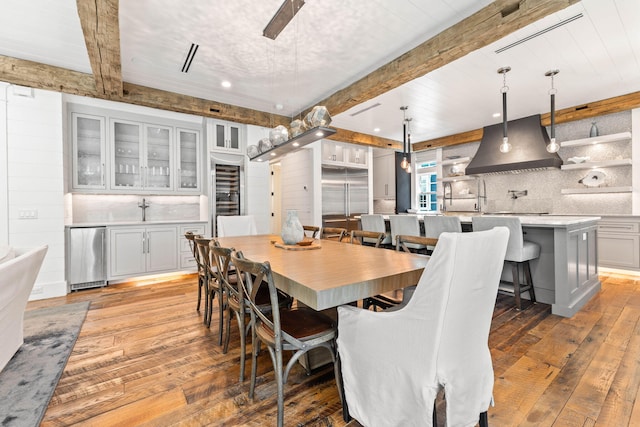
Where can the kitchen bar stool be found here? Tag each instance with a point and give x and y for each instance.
(519, 253)
(375, 222)
(406, 225)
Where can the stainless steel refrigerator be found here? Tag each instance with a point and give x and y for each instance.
(345, 194)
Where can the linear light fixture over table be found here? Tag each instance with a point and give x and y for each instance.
(281, 19)
(294, 144)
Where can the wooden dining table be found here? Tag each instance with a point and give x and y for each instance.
(330, 273)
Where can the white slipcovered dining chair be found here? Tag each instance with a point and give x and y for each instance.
(519, 253)
(375, 222)
(236, 225)
(438, 340)
(19, 269)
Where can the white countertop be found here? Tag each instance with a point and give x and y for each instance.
(138, 223)
(535, 220)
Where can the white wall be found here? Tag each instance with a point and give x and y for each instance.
(258, 184)
(35, 182)
(297, 176)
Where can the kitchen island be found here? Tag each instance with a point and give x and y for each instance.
(566, 273)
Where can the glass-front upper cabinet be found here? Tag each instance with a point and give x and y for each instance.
(157, 168)
(227, 136)
(89, 153)
(188, 160)
(126, 148)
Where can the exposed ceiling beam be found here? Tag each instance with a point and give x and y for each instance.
(99, 21)
(48, 77)
(579, 112)
(344, 135)
(484, 27)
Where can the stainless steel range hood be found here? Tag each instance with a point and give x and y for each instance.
(529, 141)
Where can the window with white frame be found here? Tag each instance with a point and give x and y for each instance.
(426, 186)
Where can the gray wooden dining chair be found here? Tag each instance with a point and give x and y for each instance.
(367, 238)
(190, 236)
(311, 231)
(297, 329)
(333, 233)
(212, 287)
(227, 276)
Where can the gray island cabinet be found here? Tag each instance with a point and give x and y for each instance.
(566, 273)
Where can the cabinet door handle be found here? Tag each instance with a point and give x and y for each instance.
(148, 241)
(102, 177)
(144, 243)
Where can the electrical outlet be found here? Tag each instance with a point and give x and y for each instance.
(27, 214)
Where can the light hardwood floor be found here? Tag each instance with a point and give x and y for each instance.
(143, 357)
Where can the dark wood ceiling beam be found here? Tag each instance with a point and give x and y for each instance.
(579, 112)
(101, 28)
(484, 27)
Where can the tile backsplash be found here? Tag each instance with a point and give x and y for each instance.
(544, 188)
(92, 208)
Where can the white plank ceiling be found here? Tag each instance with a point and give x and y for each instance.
(332, 43)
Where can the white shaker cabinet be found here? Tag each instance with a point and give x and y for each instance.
(384, 177)
(88, 152)
(619, 242)
(142, 250)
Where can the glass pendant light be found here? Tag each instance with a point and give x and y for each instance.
(404, 164)
(553, 146)
(505, 147)
(408, 165)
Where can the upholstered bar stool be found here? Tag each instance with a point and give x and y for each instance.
(406, 225)
(436, 225)
(375, 222)
(519, 252)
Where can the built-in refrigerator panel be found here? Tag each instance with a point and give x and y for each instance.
(345, 195)
(227, 186)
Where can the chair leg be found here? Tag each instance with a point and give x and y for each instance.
(254, 362)
(337, 368)
(484, 419)
(199, 292)
(220, 313)
(280, 385)
(516, 284)
(243, 344)
(532, 292)
(434, 417)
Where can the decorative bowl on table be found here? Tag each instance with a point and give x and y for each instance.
(307, 241)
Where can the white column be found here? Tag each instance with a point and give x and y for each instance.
(635, 156)
(4, 166)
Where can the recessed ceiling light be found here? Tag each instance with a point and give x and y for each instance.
(496, 114)
(226, 83)
(376, 130)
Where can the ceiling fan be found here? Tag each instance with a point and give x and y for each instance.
(281, 19)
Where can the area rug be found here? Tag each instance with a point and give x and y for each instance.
(29, 379)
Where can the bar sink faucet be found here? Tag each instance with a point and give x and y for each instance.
(144, 205)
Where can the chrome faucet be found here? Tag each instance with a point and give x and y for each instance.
(144, 205)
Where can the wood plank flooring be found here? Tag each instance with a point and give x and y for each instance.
(144, 357)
